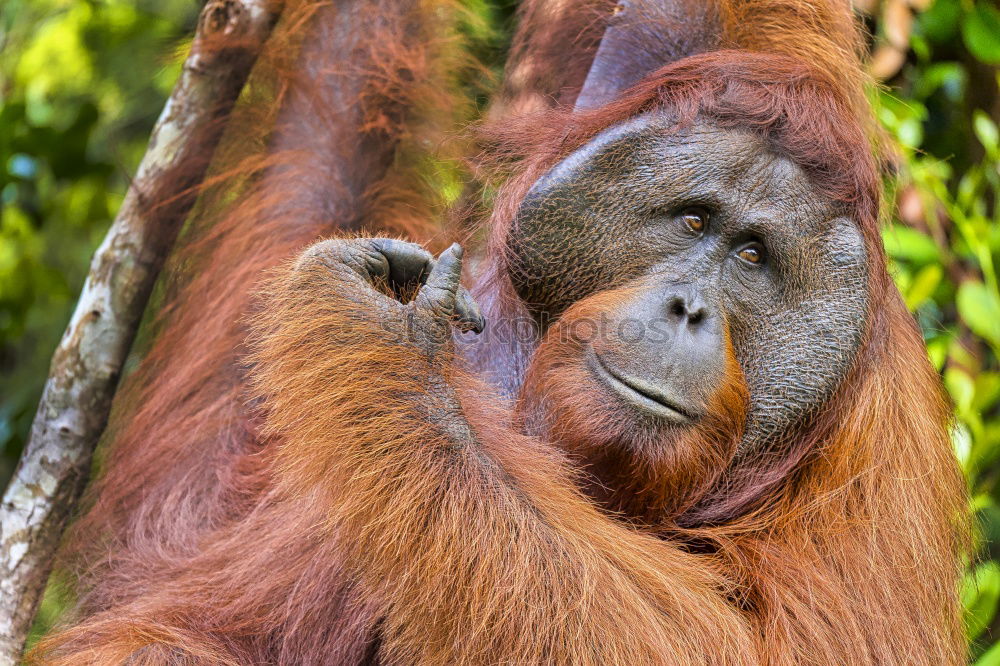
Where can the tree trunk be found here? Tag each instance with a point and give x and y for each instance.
(74, 407)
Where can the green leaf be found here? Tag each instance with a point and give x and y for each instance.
(987, 390)
(901, 275)
(986, 132)
(981, 31)
(961, 388)
(991, 440)
(980, 593)
(910, 133)
(959, 354)
(947, 76)
(993, 235)
(903, 242)
(969, 188)
(925, 282)
(940, 22)
(979, 308)
(921, 47)
(937, 350)
(991, 657)
(961, 442)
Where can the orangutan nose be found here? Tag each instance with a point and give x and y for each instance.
(674, 362)
(687, 307)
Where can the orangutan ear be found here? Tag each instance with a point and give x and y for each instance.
(643, 36)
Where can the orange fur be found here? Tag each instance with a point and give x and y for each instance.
(318, 516)
(665, 478)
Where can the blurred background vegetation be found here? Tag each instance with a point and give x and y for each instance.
(82, 81)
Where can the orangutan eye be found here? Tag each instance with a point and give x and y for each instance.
(695, 218)
(753, 253)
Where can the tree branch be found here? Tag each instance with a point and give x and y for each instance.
(74, 408)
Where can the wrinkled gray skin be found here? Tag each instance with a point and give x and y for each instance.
(611, 216)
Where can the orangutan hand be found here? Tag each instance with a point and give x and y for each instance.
(378, 273)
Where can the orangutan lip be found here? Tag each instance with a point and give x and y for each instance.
(637, 392)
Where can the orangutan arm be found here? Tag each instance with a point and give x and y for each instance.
(474, 538)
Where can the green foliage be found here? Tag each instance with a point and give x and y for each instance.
(81, 82)
(980, 28)
(944, 247)
(980, 594)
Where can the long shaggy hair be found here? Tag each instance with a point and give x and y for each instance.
(283, 501)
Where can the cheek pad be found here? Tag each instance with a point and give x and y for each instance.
(796, 350)
(570, 237)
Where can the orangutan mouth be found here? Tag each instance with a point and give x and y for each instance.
(637, 392)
